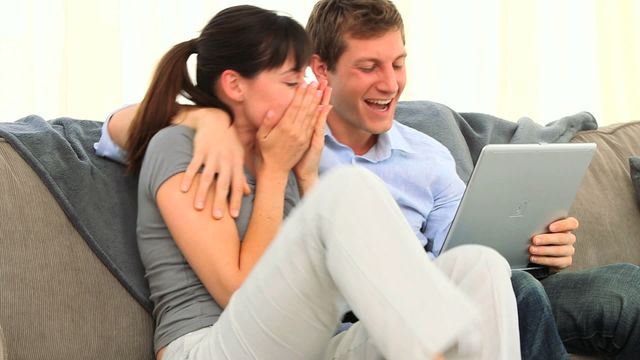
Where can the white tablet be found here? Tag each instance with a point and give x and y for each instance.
(514, 193)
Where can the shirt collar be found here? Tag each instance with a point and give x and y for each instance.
(387, 142)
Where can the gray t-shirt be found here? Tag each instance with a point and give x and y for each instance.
(181, 303)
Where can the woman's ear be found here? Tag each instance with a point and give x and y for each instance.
(319, 68)
(231, 85)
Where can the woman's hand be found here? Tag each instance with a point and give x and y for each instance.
(281, 143)
(306, 170)
(216, 148)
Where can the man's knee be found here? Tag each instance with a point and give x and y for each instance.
(616, 283)
(618, 288)
(530, 293)
(606, 295)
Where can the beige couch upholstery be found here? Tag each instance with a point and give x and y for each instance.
(606, 204)
(58, 301)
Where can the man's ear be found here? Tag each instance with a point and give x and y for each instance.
(231, 85)
(319, 68)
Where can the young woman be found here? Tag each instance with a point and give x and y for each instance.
(257, 288)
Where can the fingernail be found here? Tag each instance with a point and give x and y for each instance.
(184, 188)
(304, 85)
(200, 205)
(314, 84)
(235, 213)
(217, 213)
(319, 93)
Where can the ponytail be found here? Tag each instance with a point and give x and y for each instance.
(159, 105)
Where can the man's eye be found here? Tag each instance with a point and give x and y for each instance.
(398, 66)
(367, 69)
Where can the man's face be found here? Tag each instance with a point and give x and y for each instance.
(367, 82)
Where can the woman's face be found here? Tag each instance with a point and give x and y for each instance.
(271, 90)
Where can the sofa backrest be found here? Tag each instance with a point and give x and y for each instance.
(606, 204)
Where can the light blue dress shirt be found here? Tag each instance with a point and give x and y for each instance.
(419, 172)
(106, 147)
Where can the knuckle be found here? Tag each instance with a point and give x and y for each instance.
(208, 172)
(222, 185)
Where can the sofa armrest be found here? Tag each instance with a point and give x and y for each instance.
(3, 346)
(57, 299)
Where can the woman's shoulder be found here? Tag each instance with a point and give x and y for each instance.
(170, 143)
(169, 152)
(171, 136)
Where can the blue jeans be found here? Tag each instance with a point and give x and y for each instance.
(539, 337)
(594, 312)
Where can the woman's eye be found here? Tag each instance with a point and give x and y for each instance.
(291, 83)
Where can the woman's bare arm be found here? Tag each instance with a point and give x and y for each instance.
(212, 247)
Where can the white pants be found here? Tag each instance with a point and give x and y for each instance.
(347, 245)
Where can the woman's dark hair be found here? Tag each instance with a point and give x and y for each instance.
(243, 38)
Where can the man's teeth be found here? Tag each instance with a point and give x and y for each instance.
(379, 102)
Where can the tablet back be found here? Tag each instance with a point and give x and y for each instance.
(514, 193)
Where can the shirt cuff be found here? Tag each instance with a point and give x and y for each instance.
(106, 147)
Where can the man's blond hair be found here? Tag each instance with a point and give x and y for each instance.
(331, 20)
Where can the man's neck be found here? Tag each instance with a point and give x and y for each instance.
(358, 140)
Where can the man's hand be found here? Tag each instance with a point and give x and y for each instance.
(216, 148)
(555, 249)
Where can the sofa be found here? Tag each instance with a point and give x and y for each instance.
(59, 301)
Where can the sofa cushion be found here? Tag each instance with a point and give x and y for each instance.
(634, 164)
(605, 206)
(58, 301)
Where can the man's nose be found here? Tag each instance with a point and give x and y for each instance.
(388, 80)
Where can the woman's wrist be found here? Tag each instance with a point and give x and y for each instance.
(306, 182)
(272, 173)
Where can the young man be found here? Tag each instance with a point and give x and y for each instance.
(359, 47)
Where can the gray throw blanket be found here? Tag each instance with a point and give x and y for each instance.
(465, 134)
(95, 194)
(101, 202)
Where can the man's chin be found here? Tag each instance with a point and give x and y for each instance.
(380, 127)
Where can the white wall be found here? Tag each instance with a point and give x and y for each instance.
(537, 58)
